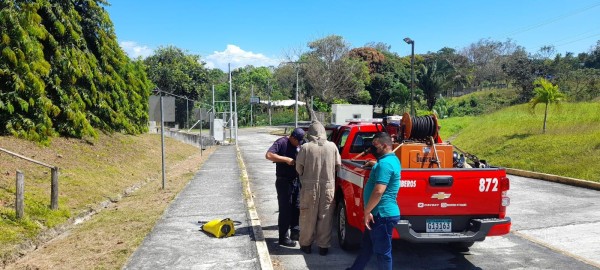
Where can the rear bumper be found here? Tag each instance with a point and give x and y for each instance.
(479, 229)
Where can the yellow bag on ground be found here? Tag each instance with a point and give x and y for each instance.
(219, 227)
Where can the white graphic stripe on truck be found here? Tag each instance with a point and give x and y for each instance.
(358, 180)
(351, 177)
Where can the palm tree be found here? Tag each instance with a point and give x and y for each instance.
(431, 82)
(545, 92)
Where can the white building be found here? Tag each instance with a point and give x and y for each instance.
(342, 112)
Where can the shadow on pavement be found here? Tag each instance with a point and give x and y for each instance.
(405, 256)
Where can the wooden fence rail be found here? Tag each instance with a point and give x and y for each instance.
(53, 184)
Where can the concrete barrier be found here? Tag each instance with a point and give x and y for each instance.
(555, 178)
(190, 138)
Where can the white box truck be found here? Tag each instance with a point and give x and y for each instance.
(342, 112)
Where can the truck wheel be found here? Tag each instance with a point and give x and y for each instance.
(461, 245)
(348, 236)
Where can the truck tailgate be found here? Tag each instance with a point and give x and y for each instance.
(442, 192)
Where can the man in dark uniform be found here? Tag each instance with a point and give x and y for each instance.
(283, 152)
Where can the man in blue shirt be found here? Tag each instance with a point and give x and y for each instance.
(381, 211)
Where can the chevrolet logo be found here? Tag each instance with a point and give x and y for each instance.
(440, 196)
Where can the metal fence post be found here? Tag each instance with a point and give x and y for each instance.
(20, 195)
(54, 189)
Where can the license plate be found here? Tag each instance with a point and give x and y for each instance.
(438, 225)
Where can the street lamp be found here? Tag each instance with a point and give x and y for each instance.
(296, 104)
(412, 73)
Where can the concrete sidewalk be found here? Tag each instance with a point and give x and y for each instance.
(176, 241)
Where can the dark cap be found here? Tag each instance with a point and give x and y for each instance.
(298, 133)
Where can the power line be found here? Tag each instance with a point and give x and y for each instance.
(590, 36)
(575, 12)
(574, 38)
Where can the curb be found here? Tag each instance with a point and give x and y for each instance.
(555, 178)
(259, 238)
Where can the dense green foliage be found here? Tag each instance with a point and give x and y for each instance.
(389, 78)
(63, 72)
(176, 72)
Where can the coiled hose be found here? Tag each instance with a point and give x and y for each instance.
(419, 127)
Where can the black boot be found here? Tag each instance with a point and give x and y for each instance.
(295, 235)
(287, 242)
(306, 249)
(323, 251)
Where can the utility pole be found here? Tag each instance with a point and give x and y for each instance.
(412, 74)
(297, 87)
(214, 114)
(162, 138)
(187, 114)
(235, 117)
(270, 89)
(251, 96)
(296, 104)
(230, 103)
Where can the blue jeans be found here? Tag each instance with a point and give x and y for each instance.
(378, 240)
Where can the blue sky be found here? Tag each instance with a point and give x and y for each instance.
(266, 32)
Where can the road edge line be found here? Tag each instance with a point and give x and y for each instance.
(261, 245)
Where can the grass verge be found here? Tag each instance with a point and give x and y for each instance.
(90, 174)
(513, 137)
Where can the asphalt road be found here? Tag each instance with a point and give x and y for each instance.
(554, 226)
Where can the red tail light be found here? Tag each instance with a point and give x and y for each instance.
(504, 187)
(504, 183)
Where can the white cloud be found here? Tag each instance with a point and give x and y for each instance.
(134, 50)
(238, 58)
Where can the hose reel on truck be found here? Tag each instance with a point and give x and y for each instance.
(418, 128)
(418, 149)
(424, 129)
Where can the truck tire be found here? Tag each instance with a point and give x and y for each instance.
(348, 236)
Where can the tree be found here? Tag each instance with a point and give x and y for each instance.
(388, 75)
(284, 81)
(431, 82)
(244, 80)
(372, 57)
(520, 69)
(177, 72)
(380, 46)
(593, 58)
(580, 84)
(486, 56)
(546, 93)
(63, 72)
(456, 69)
(330, 72)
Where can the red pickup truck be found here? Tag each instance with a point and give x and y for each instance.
(441, 200)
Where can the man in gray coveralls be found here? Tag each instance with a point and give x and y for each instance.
(316, 164)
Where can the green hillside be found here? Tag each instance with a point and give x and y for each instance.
(512, 137)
